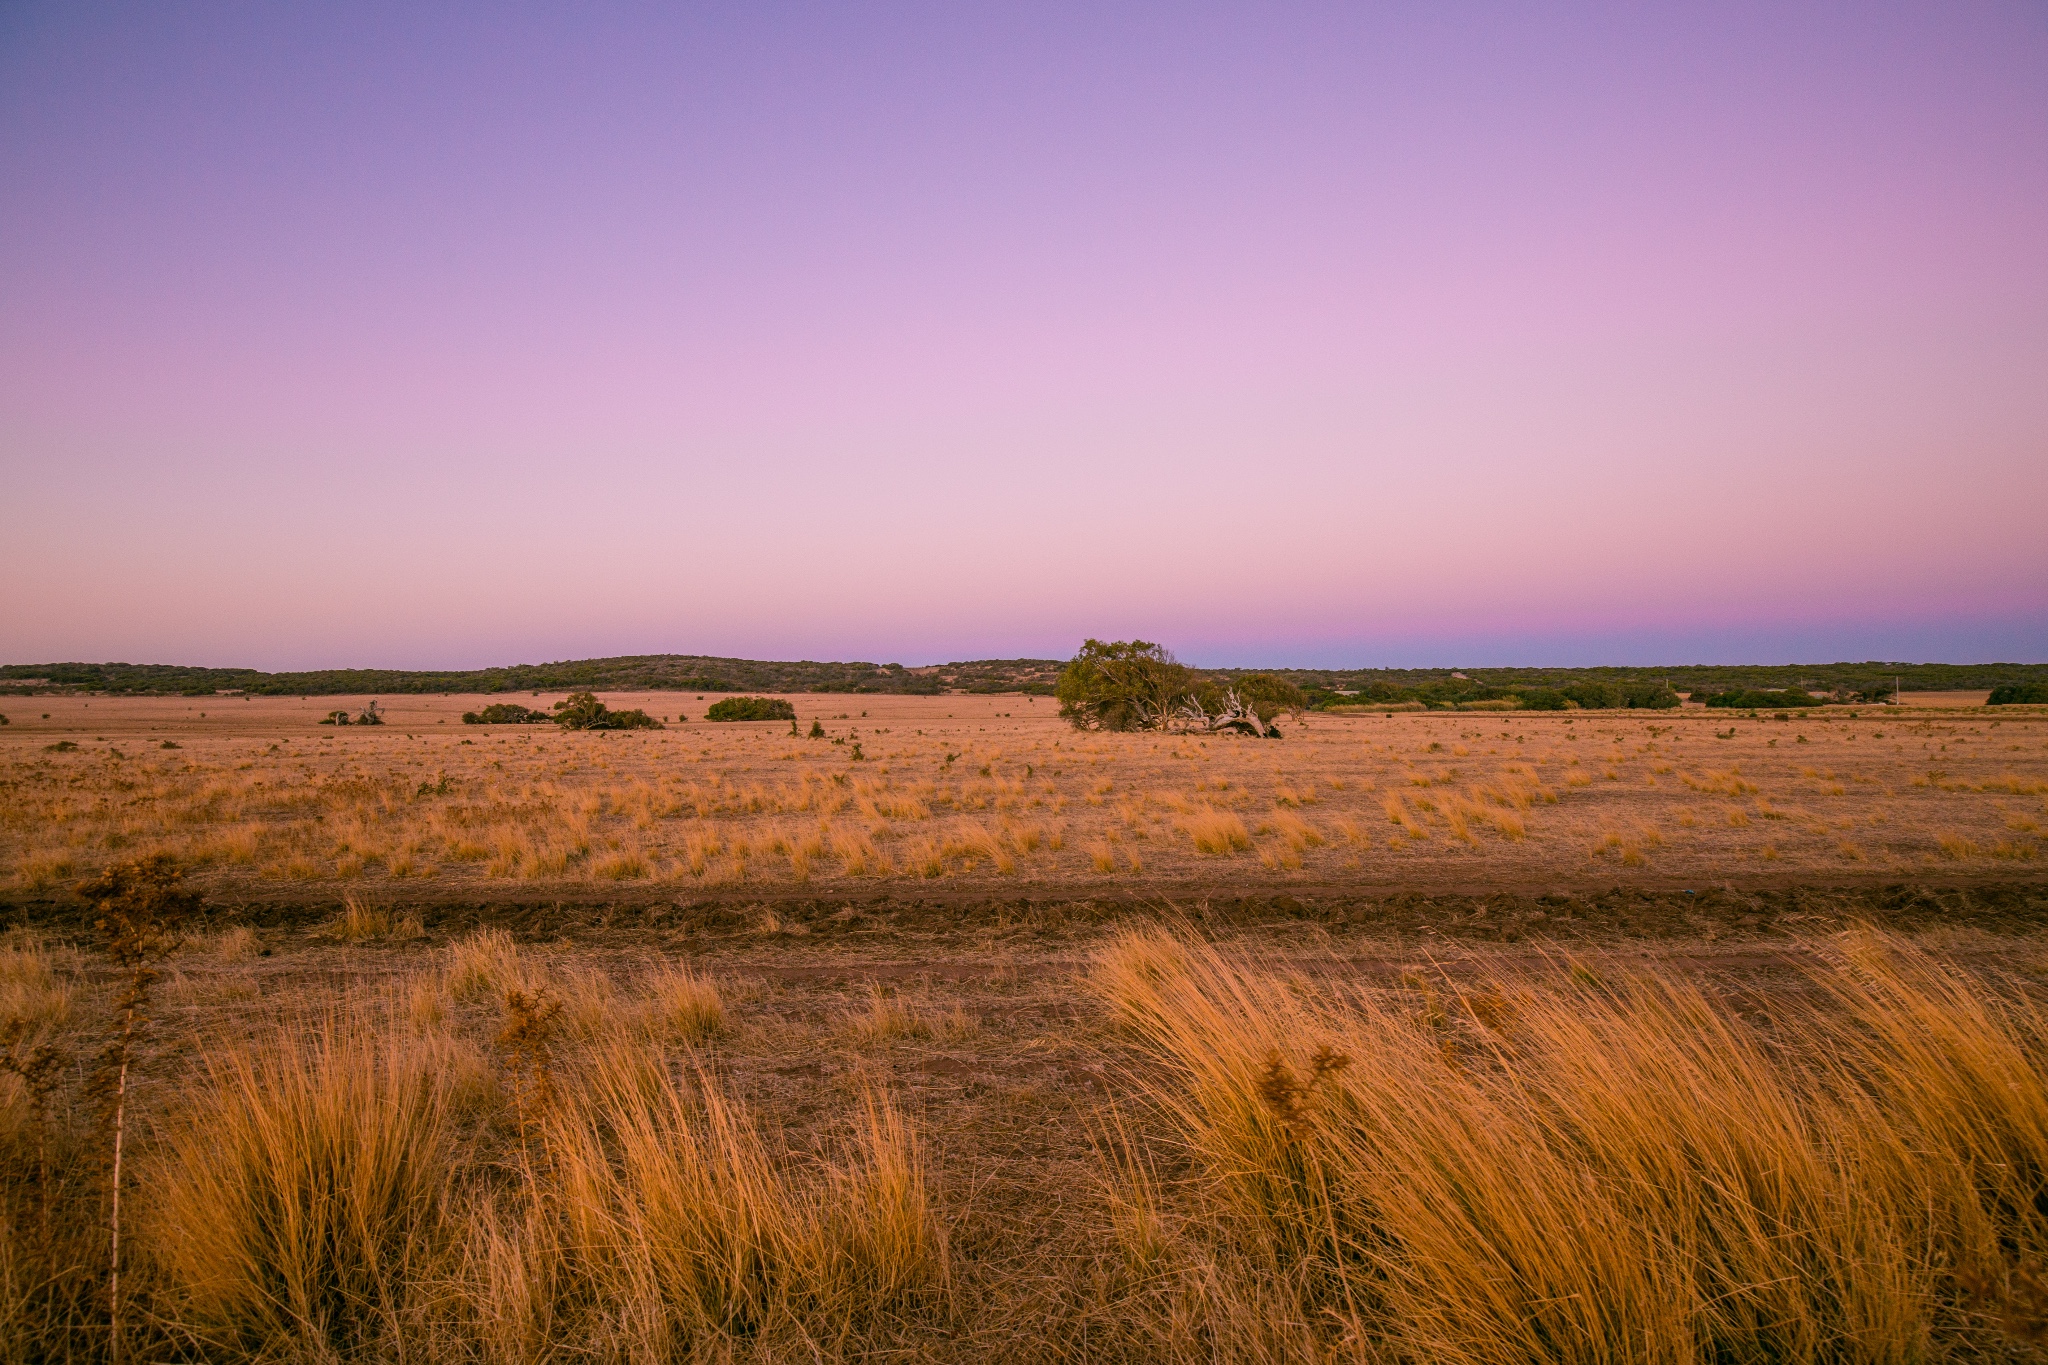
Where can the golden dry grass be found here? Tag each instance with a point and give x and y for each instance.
(1137, 1145)
(1577, 1166)
(993, 790)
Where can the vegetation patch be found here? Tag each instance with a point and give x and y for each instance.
(583, 711)
(751, 708)
(507, 713)
(1751, 699)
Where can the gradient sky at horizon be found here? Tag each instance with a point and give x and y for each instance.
(455, 335)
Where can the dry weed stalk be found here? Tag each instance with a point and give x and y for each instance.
(142, 907)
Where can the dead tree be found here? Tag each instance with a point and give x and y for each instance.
(1232, 716)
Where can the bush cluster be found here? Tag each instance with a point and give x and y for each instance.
(507, 713)
(1466, 693)
(751, 708)
(1750, 699)
(583, 711)
(1597, 696)
(2019, 694)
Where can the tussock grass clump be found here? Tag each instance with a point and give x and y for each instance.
(888, 1017)
(1606, 1166)
(296, 1203)
(485, 962)
(666, 1230)
(41, 871)
(684, 1003)
(1218, 833)
(358, 922)
(35, 980)
(236, 943)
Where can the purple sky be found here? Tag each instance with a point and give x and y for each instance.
(444, 336)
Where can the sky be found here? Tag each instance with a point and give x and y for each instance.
(1315, 335)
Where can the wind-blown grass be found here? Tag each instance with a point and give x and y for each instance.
(1601, 1168)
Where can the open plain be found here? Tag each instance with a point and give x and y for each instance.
(954, 1033)
(994, 794)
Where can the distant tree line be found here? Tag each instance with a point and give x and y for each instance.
(633, 673)
(706, 673)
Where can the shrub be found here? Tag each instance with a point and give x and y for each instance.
(751, 708)
(1650, 696)
(506, 713)
(2019, 694)
(583, 711)
(1595, 696)
(1752, 700)
(1121, 685)
(1543, 699)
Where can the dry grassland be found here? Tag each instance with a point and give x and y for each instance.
(702, 1106)
(1140, 1143)
(994, 792)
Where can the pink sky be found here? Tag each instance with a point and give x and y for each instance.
(1294, 336)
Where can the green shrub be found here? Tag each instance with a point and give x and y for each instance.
(507, 713)
(583, 711)
(1749, 699)
(1596, 696)
(1542, 699)
(751, 708)
(2019, 694)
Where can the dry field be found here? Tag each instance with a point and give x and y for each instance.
(986, 793)
(1472, 1039)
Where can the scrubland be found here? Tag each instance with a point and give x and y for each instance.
(995, 791)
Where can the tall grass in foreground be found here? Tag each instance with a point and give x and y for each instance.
(329, 1192)
(299, 1205)
(510, 1157)
(665, 1229)
(1580, 1169)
